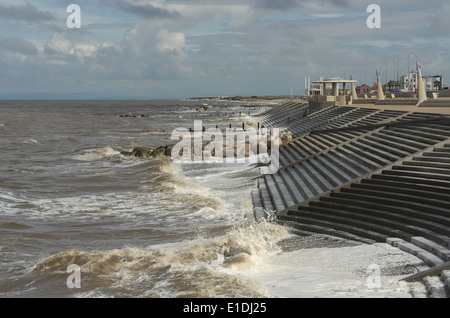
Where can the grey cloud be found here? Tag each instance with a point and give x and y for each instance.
(283, 5)
(147, 10)
(18, 45)
(277, 4)
(26, 12)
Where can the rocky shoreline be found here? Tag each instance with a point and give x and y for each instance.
(166, 150)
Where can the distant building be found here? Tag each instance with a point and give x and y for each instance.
(363, 90)
(408, 83)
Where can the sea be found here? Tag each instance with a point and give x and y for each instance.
(79, 219)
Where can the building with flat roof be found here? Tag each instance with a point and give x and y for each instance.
(339, 93)
(432, 83)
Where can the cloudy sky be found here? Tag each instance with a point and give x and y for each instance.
(147, 49)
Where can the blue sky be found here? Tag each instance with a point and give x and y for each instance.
(178, 49)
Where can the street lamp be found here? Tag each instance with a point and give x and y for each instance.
(409, 72)
(395, 76)
(386, 84)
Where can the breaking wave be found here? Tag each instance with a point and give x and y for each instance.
(174, 270)
(97, 154)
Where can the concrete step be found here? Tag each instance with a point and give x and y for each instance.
(287, 157)
(422, 169)
(433, 130)
(386, 154)
(445, 277)
(401, 195)
(393, 190)
(406, 183)
(325, 173)
(436, 288)
(395, 143)
(305, 180)
(351, 220)
(433, 225)
(442, 252)
(442, 149)
(390, 201)
(416, 174)
(365, 152)
(394, 223)
(419, 134)
(335, 228)
(430, 164)
(386, 149)
(359, 168)
(292, 223)
(274, 193)
(414, 179)
(360, 160)
(298, 184)
(317, 180)
(436, 154)
(284, 191)
(313, 139)
(265, 196)
(406, 135)
(429, 258)
(292, 186)
(432, 159)
(337, 167)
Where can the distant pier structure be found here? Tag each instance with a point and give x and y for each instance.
(340, 93)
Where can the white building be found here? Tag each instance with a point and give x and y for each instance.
(408, 83)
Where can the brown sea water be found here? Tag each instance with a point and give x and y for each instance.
(135, 226)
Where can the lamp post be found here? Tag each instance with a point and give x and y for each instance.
(409, 72)
(395, 73)
(386, 85)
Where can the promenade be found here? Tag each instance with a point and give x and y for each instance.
(366, 172)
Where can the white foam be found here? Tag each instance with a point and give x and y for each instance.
(333, 272)
(30, 141)
(96, 154)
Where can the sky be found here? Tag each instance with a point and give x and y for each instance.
(172, 49)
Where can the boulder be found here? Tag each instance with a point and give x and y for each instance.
(160, 151)
(126, 115)
(168, 150)
(143, 152)
(285, 137)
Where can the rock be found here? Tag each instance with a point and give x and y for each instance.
(285, 137)
(126, 115)
(160, 151)
(143, 152)
(203, 108)
(168, 150)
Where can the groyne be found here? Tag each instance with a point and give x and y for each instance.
(370, 174)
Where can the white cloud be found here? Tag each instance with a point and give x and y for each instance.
(170, 42)
(60, 44)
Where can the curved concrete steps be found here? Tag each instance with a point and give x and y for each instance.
(319, 163)
(372, 175)
(411, 212)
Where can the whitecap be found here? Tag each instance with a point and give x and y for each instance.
(97, 154)
(30, 141)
